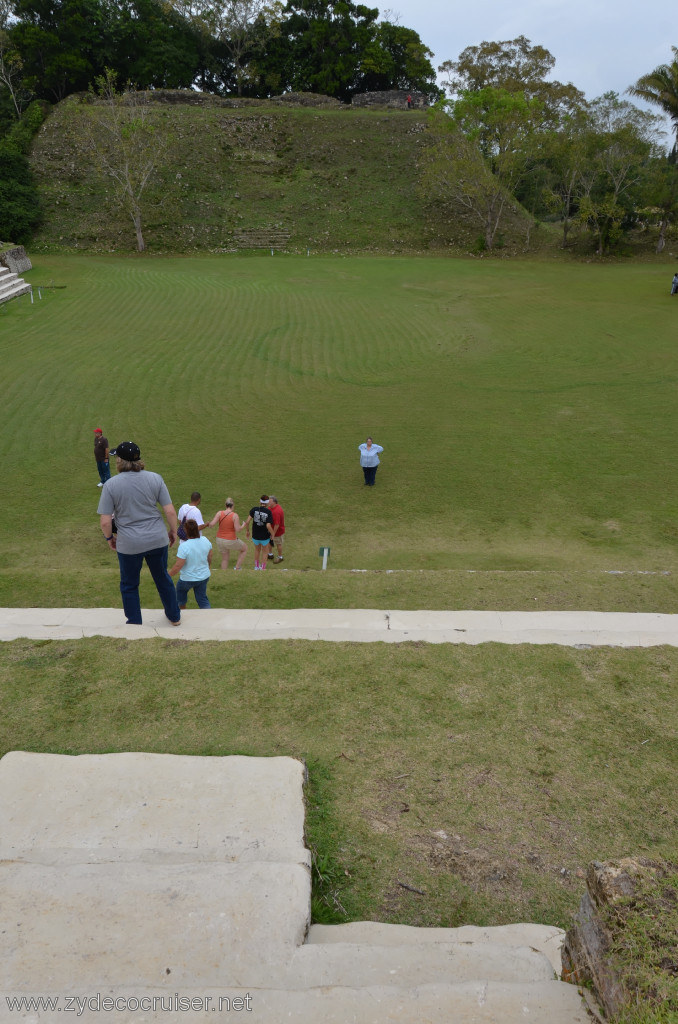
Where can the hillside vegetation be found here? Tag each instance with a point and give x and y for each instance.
(243, 174)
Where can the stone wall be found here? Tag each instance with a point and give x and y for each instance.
(396, 98)
(614, 894)
(16, 260)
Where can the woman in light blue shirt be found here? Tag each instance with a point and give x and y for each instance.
(369, 460)
(194, 558)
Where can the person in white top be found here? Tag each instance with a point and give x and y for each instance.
(369, 460)
(191, 510)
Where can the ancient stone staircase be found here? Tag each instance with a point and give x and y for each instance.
(261, 238)
(11, 285)
(152, 887)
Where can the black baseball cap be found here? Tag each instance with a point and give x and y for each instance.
(127, 450)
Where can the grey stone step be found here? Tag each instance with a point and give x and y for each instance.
(129, 876)
(546, 939)
(469, 1003)
(103, 807)
(11, 286)
(367, 965)
(78, 927)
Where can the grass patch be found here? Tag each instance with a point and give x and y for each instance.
(485, 777)
(527, 412)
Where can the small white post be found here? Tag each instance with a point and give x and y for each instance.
(31, 294)
(324, 554)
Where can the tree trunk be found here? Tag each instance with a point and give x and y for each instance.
(566, 229)
(661, 242)
(141, 245)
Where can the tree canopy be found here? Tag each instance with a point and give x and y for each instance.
(51, 48)
(660, 87)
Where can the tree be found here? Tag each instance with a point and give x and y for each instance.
(62, 44)
(325, 40)
(661, 194)
(516, 66)
(396, 58)
(11, 73)
(661, 88)
(565, 154)
(19, 199)
(456, 171)
(620, 144)
(243, 29)
(125, 145)
(65, 45)
(153, 46)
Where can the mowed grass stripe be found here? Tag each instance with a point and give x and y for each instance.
(527, 410)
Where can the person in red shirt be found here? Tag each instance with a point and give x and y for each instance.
(278, 527)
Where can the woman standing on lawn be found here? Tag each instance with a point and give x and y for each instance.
(227, 541)
(194, 558)
(369, 460)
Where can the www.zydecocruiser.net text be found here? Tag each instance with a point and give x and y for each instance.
(98, 1003)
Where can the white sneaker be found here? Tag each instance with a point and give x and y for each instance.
(100, 485)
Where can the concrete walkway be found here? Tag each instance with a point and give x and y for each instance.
(570, 629)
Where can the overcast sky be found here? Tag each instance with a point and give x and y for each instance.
(598, 45)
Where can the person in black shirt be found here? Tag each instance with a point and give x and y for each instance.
(262, 530)
(101, 456)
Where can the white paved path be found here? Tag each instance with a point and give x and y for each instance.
(571, 629)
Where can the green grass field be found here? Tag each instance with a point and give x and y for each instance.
(527, 411)
(528, 416)
(487, 777)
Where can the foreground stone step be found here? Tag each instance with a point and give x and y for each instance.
(148, 926)
(469, 1003)
(541, 937)
(131, 877)
(367, 965)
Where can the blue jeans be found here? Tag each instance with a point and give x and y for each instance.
(104, 471)
(130, 571)
(370, 473)
(199, 588)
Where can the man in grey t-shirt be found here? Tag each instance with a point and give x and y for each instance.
(133, 497)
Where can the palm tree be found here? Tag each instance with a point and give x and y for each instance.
(661, 88)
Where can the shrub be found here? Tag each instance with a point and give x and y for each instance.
(19, 200)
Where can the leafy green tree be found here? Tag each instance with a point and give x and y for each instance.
(660, 87)
(325, 39)
(620, 144)
(11, 74)
(565, 154)
(516, 66)
(240, 31)
(19, 199)
(154, 47)
(21, 133)
(396, 58)
(65, 44)
(661, 194)
(61, 44)
(476, 157)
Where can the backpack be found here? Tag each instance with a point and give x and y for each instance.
(181, 532)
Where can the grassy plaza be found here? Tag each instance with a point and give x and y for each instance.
(528, 416)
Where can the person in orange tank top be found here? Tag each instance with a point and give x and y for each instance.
(227, 534)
